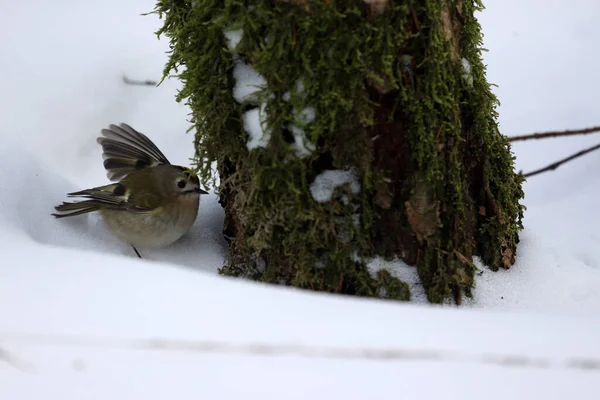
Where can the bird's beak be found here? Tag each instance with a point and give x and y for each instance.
(200, 191)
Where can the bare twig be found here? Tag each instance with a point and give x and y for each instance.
(545, 135)
(557, 164)
(141, 83)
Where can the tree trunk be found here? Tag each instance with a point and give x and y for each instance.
(371, 131)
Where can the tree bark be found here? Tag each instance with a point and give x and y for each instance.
(390, 94)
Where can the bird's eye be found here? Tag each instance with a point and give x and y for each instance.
(181, 184)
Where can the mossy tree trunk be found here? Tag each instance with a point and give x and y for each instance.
(394, 94)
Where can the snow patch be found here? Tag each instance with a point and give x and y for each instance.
(305, 116)
(247, 82)
(320, 264)
(255, 126)
(299, 89)
(399, 269)
(467, 71)
(302, 146)
(325, 183)
(356, 220)
(233, 36)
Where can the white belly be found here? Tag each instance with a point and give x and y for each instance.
(154, 230)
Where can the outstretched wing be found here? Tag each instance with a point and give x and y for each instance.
(126, 150)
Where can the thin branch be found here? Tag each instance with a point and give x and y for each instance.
(545, 135)
(557, 164)
(141, 83)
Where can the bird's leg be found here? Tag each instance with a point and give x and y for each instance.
(136, 251)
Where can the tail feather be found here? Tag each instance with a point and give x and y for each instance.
(73, 209)
(126, 150)
(113, 196)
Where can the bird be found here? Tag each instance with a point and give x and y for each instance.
(152, 204)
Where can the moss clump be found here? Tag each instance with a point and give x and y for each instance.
(400, 99)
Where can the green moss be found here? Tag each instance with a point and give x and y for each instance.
(392, 102)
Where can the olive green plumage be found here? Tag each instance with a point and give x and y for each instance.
(153, 203)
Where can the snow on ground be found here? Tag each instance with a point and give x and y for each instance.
(547, 80)
(82, 317)
(161, 333)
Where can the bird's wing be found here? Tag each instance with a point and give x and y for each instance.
(126, 150)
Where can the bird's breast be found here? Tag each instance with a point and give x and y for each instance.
(158, 228)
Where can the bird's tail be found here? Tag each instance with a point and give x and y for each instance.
(111, 196)
(71, 209)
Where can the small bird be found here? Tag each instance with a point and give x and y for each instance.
(153, 203)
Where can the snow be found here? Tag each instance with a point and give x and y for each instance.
(299, 89)
(305, 116)
(82, 317)
(255, 125)
(233, 36)
(168, 339)
(302, 116)
(325, 183)
(467, 71)
(302, 146)
(558, 261)
(399, 269)
(247, 81)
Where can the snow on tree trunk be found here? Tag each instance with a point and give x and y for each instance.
(347, 129)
